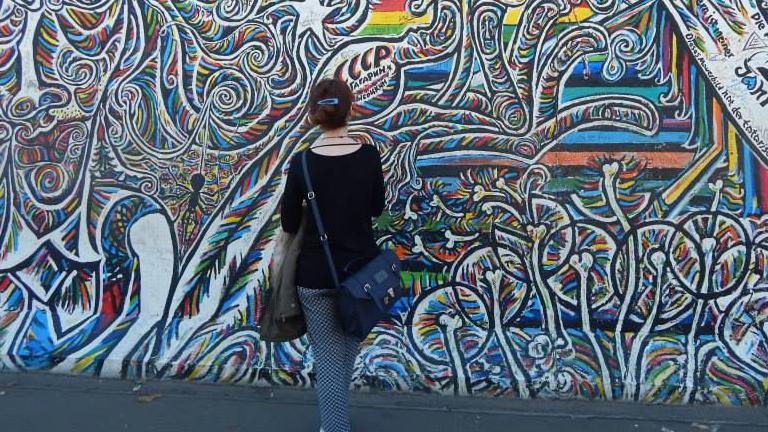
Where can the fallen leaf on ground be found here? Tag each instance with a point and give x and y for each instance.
(149, 397)
(712, 428)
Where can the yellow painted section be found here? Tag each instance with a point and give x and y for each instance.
(389, 18)
(673, 57)
(733, 151)
(578, 14)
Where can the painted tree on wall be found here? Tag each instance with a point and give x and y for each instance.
(577, 188)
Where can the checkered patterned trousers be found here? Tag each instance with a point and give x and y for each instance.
(334, 353)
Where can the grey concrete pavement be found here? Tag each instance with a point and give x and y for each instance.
(38, 402)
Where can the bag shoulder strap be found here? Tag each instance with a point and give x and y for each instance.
(312, 199)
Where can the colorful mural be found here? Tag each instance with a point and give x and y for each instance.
(578, 189)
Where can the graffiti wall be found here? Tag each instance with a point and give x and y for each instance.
(578, 189)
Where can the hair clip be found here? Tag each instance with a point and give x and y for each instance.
(329, 101)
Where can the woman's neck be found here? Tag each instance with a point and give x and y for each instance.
(341, 132)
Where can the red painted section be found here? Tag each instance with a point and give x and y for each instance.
(389, 6)
(762, 186)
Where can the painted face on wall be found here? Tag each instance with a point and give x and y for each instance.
(58, 62)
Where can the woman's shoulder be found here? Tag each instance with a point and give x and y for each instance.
(371, 150)
(297, 156)
(295, 163)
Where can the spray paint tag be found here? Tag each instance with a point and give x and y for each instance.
(369, 73)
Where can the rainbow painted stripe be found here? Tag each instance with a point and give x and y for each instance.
(390, 17)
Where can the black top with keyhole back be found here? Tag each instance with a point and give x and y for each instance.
(349, 189)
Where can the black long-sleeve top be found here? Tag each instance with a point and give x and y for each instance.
(349, 191)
